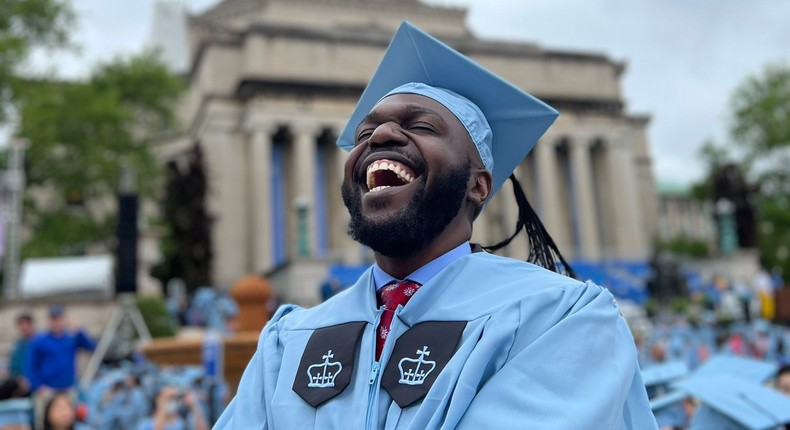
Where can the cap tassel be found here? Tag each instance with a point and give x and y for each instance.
(542, 249)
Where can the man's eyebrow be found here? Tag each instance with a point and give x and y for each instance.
(407, 111)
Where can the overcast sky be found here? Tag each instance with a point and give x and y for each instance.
(684, 57)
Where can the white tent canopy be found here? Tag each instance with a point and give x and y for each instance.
(66, 275)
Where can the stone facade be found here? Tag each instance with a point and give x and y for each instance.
(682, 216)
(272, 82)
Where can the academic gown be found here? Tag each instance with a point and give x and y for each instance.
(513, 346)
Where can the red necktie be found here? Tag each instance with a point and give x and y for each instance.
(391, 296)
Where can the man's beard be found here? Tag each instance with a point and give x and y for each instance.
(414, 226)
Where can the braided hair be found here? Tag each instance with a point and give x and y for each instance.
(542, 249)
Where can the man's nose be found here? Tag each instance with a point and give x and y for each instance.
(388, 134)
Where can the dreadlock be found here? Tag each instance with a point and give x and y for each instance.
(542, 249)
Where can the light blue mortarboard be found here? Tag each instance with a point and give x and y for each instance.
(730, 399)
(738, 367)
(517, 120)
(664, 373)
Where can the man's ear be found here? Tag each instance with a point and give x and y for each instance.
(480, 184)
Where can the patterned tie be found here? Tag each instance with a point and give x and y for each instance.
(391, 296)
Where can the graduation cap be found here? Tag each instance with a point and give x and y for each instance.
(732, 402)
(664, 373)
(503, 121)
(738, 367)
(517, 120)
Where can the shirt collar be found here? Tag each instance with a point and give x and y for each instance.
(426, 272)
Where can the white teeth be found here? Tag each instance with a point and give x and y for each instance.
(379, 188)
(398, 169)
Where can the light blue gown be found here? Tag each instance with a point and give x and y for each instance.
(539, 350)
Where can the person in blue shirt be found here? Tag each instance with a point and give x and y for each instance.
(52, 355)
(438, 334)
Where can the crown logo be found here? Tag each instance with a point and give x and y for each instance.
(414, 371)
(323, 375)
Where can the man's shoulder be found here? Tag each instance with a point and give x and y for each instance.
(506, 273)
(347, 306)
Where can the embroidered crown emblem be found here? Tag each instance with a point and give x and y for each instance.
(414, 371)
(323, 375)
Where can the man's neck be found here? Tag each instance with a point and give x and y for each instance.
(401, 267)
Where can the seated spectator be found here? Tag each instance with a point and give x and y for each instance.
(175, 410)
(61, 414)
(16, 408)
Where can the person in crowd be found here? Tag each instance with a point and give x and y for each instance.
(175, 409)
(61, 414)
(51, 360)
(26, 328)
(783, 379)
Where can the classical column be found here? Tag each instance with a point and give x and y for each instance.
(549, 192)
(344, 247)
(628, 222)
(260, 164)
(305, 136)
(585, 214)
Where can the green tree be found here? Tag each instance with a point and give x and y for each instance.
(81, 134)
(761, 130)
(25, 24)
(761, 127)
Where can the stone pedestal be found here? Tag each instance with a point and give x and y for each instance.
(252, 294)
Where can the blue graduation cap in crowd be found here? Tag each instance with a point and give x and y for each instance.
(734, 403)
(738, 367)
(664, 373)
(516, 119)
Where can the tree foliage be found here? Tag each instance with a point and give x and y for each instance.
(760, 131)
(81, 134)
(761, 126)
(25, 24)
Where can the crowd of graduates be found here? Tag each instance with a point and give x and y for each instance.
(718, 361)
(39, 390)
(720, 333)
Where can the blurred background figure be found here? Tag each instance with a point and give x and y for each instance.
(26, 330)
(175, 409)
(16, 409)
(783, 379)
(52, 355)
(60, 413)
(51, 360)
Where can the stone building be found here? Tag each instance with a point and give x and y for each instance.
(272, 82)
(682, 216)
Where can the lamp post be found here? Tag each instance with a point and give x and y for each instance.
(15, 185)
(303, 226)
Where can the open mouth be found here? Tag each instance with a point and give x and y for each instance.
(383, 174)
